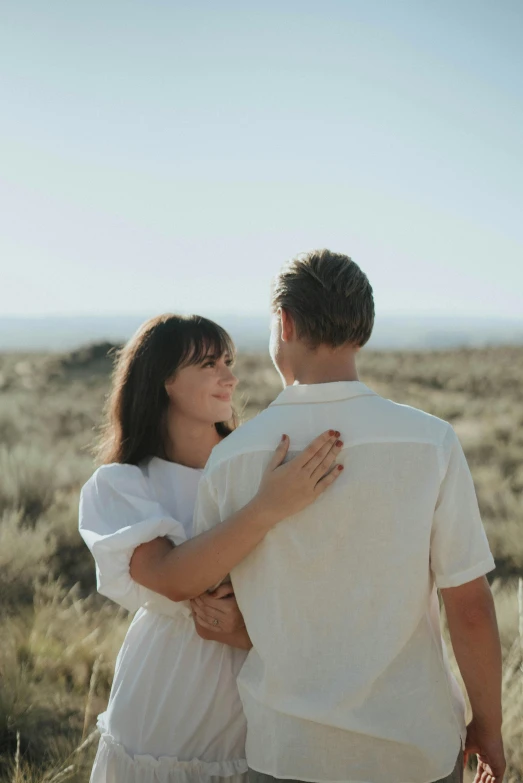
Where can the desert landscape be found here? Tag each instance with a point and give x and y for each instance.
(59, 639)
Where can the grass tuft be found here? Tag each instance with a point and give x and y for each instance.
(59, 639)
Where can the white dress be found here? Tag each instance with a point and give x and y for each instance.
(174, 713)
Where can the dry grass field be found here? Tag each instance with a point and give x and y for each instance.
(59, 639)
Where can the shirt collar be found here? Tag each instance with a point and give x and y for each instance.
(322, 392)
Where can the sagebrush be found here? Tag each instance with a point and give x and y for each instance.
(59, 639)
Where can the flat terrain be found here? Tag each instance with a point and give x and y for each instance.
(59, 639)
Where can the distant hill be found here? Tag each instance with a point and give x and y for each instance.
(251, 332)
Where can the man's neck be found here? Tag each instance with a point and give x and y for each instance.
(323, 365)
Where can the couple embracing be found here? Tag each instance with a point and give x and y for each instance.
(338, 515)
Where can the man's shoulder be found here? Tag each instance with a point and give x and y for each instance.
(254, 435)
(414, 422)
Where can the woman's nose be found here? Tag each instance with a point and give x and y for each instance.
(229, 377)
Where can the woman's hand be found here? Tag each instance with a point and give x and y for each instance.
(183, 572)
(287, 489)
(218, 611)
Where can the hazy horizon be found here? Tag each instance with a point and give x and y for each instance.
(250, 332)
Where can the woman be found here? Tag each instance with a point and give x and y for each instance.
(174, 714)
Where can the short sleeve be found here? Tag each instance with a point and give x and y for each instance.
(117, 514)
(459, 550)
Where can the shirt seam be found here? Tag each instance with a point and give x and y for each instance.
(212, 490)
(447, 674)
(325, 400)
(489, 563)
(352, 780)
(439, 651)
(359, 442)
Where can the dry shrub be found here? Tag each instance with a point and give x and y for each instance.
(10, 432)
(512, 678)
(24, 558)
(26, 480)
(507, 610)
(47, 659)
(70, 561)
(57, 651)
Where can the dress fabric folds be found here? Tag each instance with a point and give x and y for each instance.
(114, 765)
(174, 714)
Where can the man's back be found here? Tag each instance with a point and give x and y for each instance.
(348, 678)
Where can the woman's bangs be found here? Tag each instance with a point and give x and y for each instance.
(208, 340)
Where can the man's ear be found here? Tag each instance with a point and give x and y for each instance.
(288, 330)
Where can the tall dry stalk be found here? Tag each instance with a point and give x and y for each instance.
(63, 774)
(66, 771)
(90, 695)
(520, 610)
(16, 778)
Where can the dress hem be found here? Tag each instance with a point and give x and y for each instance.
(144, 767)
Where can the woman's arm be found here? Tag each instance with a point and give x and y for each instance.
(188, 570)
(239, 639)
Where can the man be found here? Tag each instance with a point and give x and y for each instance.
(348, 678)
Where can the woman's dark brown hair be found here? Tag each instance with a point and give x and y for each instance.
(136, 410)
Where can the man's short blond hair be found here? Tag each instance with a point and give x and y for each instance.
(329, 298)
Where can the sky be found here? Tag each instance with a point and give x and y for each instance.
(159, 155)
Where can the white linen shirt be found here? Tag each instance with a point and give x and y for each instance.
(348, 678)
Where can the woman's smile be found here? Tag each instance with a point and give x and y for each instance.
(225, 397)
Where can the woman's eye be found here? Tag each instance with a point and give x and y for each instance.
(209, 364)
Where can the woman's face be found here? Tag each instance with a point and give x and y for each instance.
(203, 392)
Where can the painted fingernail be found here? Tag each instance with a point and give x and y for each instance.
(337, 434)
(340, 467)
(339, 443)
(283, 438)
(332, 433)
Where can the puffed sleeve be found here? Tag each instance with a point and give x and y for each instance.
(117, 514)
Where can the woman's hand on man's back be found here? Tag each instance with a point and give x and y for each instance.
(287, 489)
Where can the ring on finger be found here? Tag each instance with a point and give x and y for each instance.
(215, 622)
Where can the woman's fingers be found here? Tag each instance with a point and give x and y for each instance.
(329, 479)
(223, 591)
(208, 600)
(197, 611)
(280, 453)
(322, 464)
(223, 609)
(321, 444)
(216, 604)
(208, 614)
(210, 626)
(318, 457)
(216, 620)
(311, 456)
(288, 489)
